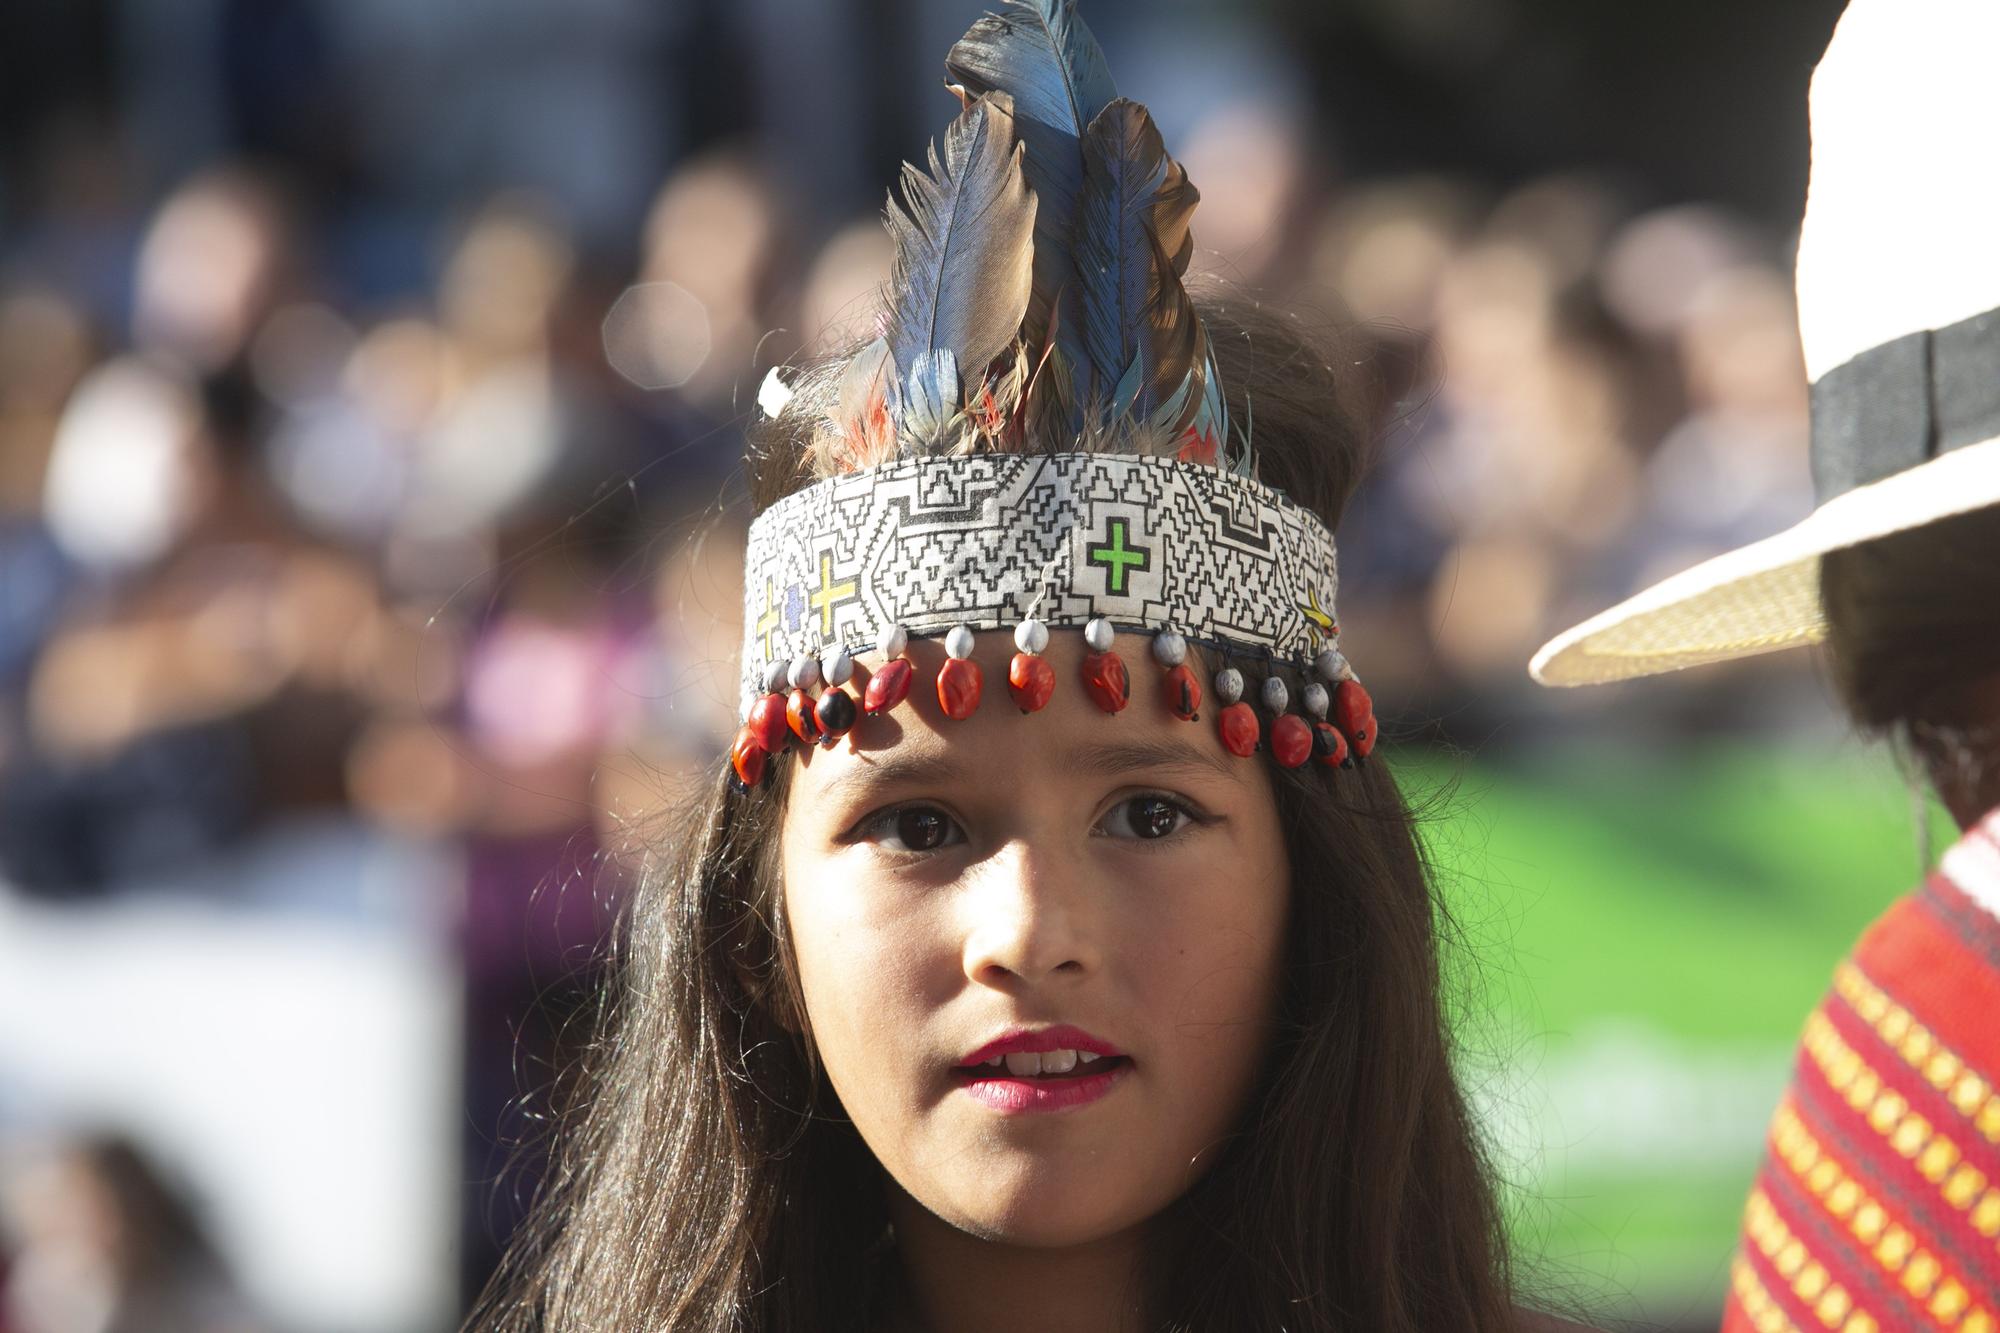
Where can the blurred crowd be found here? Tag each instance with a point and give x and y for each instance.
(295, 527)
(437, 565)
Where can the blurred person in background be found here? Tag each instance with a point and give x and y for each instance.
(194, 687)
(1878, 1205)
(714, 297)
(96, 1240)
(45, 348)
(461, 445)
(716, 232)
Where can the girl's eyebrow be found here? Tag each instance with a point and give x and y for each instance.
(1151, 756)
(906, 765)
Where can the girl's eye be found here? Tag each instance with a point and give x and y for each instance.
(1148, 817)
(914, 828)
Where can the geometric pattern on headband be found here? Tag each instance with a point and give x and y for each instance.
(1149, 543)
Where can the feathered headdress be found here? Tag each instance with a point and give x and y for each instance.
(1038, 437)
(1037, 288)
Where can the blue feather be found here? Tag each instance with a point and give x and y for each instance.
(1172, 408)
(1042, 54)
(930, 398)
(1125, 394)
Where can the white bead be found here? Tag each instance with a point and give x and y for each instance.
(839, 667)
(805, 672)
(1169, 648)
(1099, 634)
(776, 676)
(892, 642)
(1229, 685)
(958, 643)
(1031, 636)
(1315, 699)
(1276, 696)
(1330, 664)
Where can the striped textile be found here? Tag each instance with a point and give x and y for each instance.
(1878, 1205)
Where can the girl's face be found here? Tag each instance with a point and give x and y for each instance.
(1098, 901)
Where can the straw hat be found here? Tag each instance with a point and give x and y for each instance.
(1899, 313)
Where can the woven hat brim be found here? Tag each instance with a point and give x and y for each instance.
(1764, 596)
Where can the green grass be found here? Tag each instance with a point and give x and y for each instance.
(1645, 938)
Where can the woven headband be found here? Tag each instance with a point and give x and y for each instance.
(1105, 542)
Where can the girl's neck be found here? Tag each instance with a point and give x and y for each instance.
(953, 1282)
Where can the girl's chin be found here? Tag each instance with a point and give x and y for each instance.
(1056, 1216)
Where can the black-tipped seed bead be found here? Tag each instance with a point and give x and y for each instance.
(1329, 746)
(1354, 714)
(1182, 693)
(836, 713)
(801, 716)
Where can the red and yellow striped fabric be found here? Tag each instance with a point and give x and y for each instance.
(1878, 1206)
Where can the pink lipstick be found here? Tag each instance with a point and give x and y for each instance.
(1048, 1069)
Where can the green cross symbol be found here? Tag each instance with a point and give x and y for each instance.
(1118, 556)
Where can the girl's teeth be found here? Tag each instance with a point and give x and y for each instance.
(1033, 1064)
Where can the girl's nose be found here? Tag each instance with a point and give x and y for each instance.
(1030, 919)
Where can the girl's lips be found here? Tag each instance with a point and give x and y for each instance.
(1011, 1094)
(1043, 1069)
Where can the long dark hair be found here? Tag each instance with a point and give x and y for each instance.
(1913, 630)
(711, 1182)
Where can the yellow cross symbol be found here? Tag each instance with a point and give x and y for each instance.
(767, 624)
(830, 595)
(1320, 619)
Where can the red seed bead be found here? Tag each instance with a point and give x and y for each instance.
(1106, 681)
(767, 722)
(1183, 693)
(747, 756)
(1238, 725)
(1031, 680)
(959, 686)
(1291, 740)
(836, 715)
(801, 716)
(888, 685)
(1329, 746)
(1354, 714)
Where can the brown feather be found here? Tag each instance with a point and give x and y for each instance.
(1134, 211)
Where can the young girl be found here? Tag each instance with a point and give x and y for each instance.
(954, 1011)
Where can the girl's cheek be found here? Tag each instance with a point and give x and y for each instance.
(867, 966)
